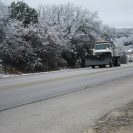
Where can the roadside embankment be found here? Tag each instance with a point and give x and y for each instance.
(118, 121)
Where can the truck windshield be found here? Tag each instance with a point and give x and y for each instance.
(102, 46)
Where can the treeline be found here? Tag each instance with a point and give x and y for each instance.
(49, 38)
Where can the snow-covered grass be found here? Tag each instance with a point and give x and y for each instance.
(7, 75)
(15, 75)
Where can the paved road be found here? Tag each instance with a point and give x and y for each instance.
(70, 113)
(27, 89)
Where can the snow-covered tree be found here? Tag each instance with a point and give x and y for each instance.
(35, 48)
(78, 28)
(3, 20)
(22, 12)
(46, 44)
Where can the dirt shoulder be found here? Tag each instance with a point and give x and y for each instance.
(118, 121)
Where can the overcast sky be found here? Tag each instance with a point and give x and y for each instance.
(117, 13)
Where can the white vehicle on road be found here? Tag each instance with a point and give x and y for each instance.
(102, 54)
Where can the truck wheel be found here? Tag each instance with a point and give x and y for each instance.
(111, 63)
(117, 62)
(102, 66)
(93, 66)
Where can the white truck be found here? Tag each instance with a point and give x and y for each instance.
(102, 54)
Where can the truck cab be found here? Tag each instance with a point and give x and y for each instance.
(100, 48)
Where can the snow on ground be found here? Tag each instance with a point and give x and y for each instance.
(80, 70)
(15, 75)
(7, 75)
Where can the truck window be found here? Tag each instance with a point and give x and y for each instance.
(102, 46)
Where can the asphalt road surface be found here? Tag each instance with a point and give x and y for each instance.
(89, 93)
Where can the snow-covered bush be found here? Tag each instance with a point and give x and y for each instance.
(35, 48)
(46, 45)
(15, 51)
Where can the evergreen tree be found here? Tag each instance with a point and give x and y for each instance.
(22, 12)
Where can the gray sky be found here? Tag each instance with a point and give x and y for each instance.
(117, 13)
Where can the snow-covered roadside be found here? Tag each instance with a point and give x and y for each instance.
(58, 71)
(7, 75)
(15, 75)
(117, 121)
